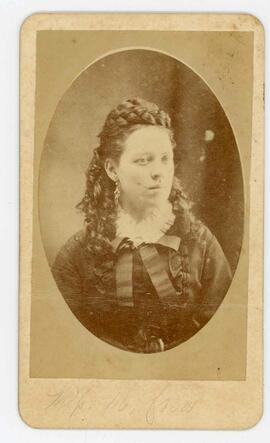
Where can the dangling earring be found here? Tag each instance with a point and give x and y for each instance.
(116, 193)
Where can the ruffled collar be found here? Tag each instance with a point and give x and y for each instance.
(148, 230)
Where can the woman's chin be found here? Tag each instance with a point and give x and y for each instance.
(156, 201)
(158, 197)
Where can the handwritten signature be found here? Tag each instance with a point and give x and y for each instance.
(79, 401)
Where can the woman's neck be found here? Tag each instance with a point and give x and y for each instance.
(149, 229)
(139, 214)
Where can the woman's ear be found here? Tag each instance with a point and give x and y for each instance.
(110, 169)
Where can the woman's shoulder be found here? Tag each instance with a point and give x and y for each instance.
(76, 240)
(201, 232)
(192, 228)
(198, 238)
(72, 248)
(214, 255)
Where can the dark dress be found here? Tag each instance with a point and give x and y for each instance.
(193, 263)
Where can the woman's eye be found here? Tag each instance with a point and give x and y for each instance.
(166, 158)
(142, 161)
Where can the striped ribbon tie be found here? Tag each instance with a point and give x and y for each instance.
(158, 274)
(124, 286)
(156, 271)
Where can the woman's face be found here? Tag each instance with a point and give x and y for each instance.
(145, 169)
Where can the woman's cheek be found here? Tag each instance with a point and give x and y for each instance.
(138, 174)
(127, 175)
(170, 173)
(144, 174)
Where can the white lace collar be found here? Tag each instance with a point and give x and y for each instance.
(148, 230)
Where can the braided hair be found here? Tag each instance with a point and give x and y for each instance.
(98, 203)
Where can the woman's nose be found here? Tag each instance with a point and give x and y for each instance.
(156, 170)
(155, 175)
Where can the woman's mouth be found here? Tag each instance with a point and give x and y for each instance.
(154, 187)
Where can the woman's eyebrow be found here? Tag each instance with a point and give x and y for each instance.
(139, 154)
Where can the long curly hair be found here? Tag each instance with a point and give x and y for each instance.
(98, 203)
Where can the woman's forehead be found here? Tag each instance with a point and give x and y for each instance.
(148, 138)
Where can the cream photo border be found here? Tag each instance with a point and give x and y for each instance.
(97, 403)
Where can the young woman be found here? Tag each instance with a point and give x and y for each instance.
(143, 275)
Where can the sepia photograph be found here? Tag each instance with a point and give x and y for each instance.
(162, 209)
(141, 221)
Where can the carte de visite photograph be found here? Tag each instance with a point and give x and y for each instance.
(141, 220)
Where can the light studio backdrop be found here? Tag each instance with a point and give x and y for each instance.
(207, 157)
(81, 76)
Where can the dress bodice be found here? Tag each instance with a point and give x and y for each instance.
(197, 271)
